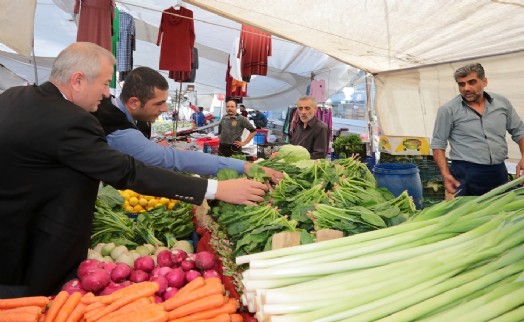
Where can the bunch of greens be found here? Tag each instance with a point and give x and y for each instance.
(159, 226)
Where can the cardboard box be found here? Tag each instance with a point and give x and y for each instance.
(404, 145)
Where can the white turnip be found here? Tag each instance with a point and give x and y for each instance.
(138, 276)
(191, 275)
(117, 251)
(145, 263)
(96, 280)
(164, 259)
(162, 283)
(72, 286)
(177, 256)
(204, 260)
(176, 278)
(184, 245)
(86, 266)
(120, 273)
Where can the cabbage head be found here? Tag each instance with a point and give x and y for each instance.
(293, 153)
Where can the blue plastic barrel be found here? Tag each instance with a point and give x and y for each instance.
(397, 177)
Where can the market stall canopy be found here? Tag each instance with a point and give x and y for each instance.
(290, 67)
(410, 48)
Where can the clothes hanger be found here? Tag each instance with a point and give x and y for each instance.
(177, 5)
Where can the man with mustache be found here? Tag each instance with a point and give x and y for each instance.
(310, 132)
(475, 124)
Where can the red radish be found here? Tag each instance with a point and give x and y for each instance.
(72, 286)
(112, 287)
(177, 256)
(204, 260)
(108, 266)
(176, 278)
(120, 273)
(164, 259)
(191, 275)
(145, 263)
(138, 276)
(210, 273)
(95, 281)
(158, 299)
(162, 283)
(191, 256)
(87, 266)
(162, 271)
(187, 264)
(170, 292)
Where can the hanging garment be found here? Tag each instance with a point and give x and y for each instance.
(186, 77)
(96, 21)
(127, 43)
(318, 90)
(176, 35)
(254, 49)
(114, 42)
(234, 88)
(234, 61)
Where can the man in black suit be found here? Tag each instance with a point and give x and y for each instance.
(54, 156)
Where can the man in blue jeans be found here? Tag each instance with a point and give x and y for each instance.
(475, 124)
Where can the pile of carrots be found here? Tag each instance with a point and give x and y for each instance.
(199, 300)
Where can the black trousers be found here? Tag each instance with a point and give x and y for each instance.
(477, 179)
(227, 150)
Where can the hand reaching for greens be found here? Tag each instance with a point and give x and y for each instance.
(241, 191)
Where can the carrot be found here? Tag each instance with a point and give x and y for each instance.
(193, 285)
(180, 299)
(201, 304)
(68, 307)
(88, 298)
(229, 307)
(18, 317)
(24, 301)
(148, 313)
(235, 317)
(94, 306)
(133, 306)
(56, 305)
(108, 299)
(147, 289)
(224, 317)
(33, 309)
(77, 314)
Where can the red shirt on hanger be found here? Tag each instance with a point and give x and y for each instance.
(177, 36)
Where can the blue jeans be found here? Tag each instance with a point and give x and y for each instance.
(477, 179)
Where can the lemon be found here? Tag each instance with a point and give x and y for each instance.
(170, 205)
(152, 203)
(138, 208)
(129, 209)
(133, 201)
(164, 201)
(142, 202)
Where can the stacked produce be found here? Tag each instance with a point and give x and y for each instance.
(461, 260)
(159, 226)
(171, 269)
(200, 300)
(313, 195)
(135, 202)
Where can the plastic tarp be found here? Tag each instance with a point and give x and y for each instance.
(290, 67)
